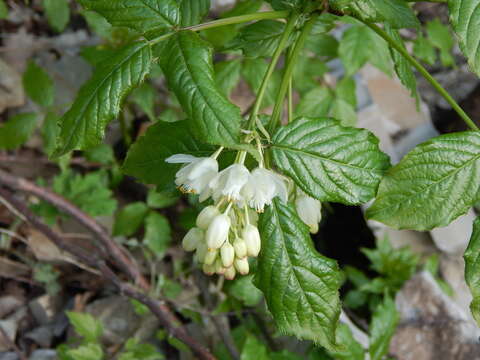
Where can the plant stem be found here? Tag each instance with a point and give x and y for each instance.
(227, 21)
(271, 67)
(277, 110)
(425, 74)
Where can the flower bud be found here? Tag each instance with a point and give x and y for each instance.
(210, 257)
(219, 268)
(208, 269)
(309, 210)
(252, 239)
(206, 216)
(227, 253)
(240, 248)
(201, 252)
(230, 273)
(193, 237)
(241, 265)
(217, 232)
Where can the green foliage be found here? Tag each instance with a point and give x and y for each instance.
(243, 290)
(98, 101)
(102, 154)
(349, 348)
(424, 50)
(3, 10)
(136, 351)
(17, 130)
(227, 75)
(89, 351)
(86, 326)
(435, 197)
(167, 139)
(160, 200)
(186, 60)
(472, 269)
(300, 286)
(58, 13)
(348, 163)
(50, 132)
(382, 328)
(47, 275)
(144, 97)
(440, 37)
(157, 233)
(38, 85)
(464, 14)
(253, 71)
(129, 219)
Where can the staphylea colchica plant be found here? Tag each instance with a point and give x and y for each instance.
(263, 177)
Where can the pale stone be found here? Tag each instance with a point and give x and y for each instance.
(453, 239)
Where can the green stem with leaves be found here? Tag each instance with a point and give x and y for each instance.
(287, 75)
(425, 74)
(271, 67)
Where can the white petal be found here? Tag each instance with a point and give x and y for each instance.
(180, 159)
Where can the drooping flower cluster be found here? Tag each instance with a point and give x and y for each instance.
(226, 233)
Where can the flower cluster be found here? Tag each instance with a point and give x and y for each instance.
(226, 232)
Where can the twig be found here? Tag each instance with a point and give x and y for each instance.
(158, 308)
(11, 344)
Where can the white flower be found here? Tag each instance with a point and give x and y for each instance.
(206, 216)
(230, 273)
(193, 237)
(241, 265)
(194, 177)
(309, 210)
(227, 253)
(251, 236)
(229, 182)
(217, 232)
(208, 269)
(262, 186)
(240, 248)
(210, 257)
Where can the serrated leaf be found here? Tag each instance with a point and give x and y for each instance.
(50, 132)
(323, 45)
(85, 325)
(328, 161)
(17, 130)
(432, 185)
(383, 325)
(424, 50)
(227, 75)
(253, 349)
(86, 352)
(144, 97)
(465, 19)
(350, 348)
(402, 67)
(186, 60)
(99, 100)
(472, 269)
(300, 286)
(136, 351)
(157, 233)
(129, 219)
(193, 11)
(102, 154)
(38, 85)
(259, 39)
(160, 200)
(167, 139)
(145, 16)
(315, 103)
(286, 4)
(58, 13)
(253, 71)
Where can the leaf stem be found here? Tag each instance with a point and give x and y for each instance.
(277, 110)
(271, 67)
(425, 74)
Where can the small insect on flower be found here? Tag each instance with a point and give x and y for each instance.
(229, 182)
(309, 210)
(262, 186)
(196, 176)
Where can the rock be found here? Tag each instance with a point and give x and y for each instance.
(453, 239)
(11, 89)
(432, 326)
(8, 304)
(42, 335)
(8, 356)
(10, 329)
(44, 354)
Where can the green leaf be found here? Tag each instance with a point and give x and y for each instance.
(148, 17)
(227, 75)
(300, 286)
(17, 130)
(432, 185)
(99, 100)
(439, 35)
(424, 50)
(86, 352)
(186, 60)
(259, 39)
(244, 290)
(129, 219)
(102, 154)
(86, 325)
(58, 13)
(160, 200)
(90, 192)
(315, 103)
(50, 131)
(3, 10)
(253, 349)
(344, 112)
(323, 45)
(472, 269)
(350, 348)
(253, 71)
(100, 26)
(360, 44)
(383, 325)
(136, 351)
(286, 4)
(465, 17)
(402, 66)
(144, 97)
(167, 139)
(193, 11)
(328, 161)
(157, 233)
(38, 85)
